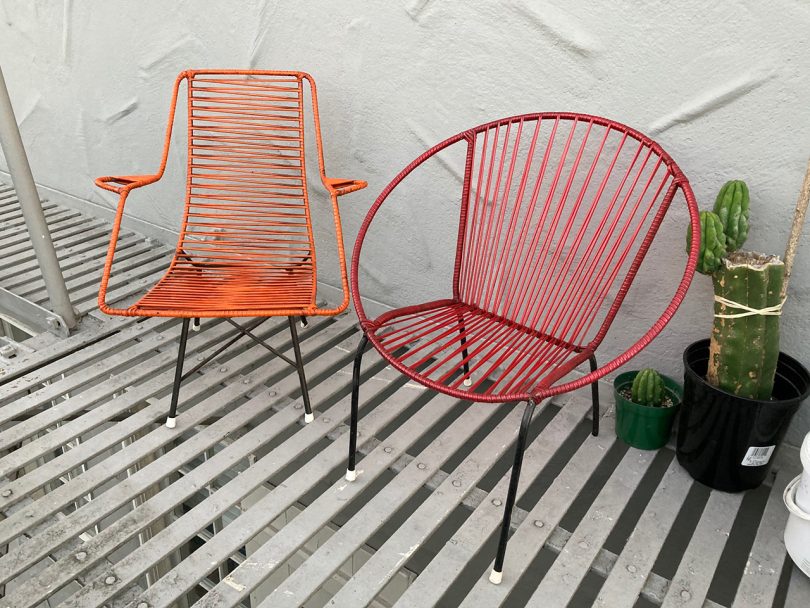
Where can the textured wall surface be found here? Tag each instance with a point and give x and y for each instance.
(723, 88)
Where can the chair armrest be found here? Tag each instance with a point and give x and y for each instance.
(339, 187)
(125, 182)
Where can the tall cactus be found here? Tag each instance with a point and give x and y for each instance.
(744, 349)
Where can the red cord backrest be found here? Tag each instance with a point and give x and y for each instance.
(247, 208)
(558, 212)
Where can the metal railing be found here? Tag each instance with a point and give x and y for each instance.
(64, 316)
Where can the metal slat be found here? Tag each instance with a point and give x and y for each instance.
(566, 573)
(798, 595)
(767, 557)
(298, 587)
(27, 364)
(388, 559)
(13, 233)
(14, 223)
(626, 580)
(117, 533)
(486, 518)
(118, 372)
(315, 516)
(531, 535)
(31, 392)
(91, 230)
(136, 451)
(185, 527)
(60, 228)
(95, 246)
(691, 582)
(86, 270)
(10, 209)
(100, 414)
(74, 265)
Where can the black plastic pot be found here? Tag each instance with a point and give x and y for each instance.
(718, 432)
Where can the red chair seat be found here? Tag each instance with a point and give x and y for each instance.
(507, 361)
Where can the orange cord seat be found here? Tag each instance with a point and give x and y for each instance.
(230, 292)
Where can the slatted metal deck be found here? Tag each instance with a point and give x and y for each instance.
(242, 504)
(81, 243)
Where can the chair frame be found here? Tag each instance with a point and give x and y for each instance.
(336, 187)
(539, 395)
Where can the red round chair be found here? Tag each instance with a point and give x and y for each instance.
(557, 213)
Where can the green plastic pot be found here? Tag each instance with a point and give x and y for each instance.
(642, 426)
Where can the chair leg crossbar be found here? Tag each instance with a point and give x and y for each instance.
(194, 325)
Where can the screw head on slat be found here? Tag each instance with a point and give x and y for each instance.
(388, 450)
(456, 483)
(497, 502)
(110, 580)
(81, 556)
(538, 523)
(421, 466)
(6, 493)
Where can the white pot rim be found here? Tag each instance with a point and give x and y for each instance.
(789, 497)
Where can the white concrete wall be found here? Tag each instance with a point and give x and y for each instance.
(723, 86)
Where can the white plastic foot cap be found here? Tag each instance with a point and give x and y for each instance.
(495, 577)
(309, 418)
(351, 475)
(195, 325)
(467, 381)
(171, 422)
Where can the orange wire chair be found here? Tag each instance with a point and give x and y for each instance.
(557, 212)
(246, 247)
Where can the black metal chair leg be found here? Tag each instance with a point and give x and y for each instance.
(466, 365)
(497, 572)
(171, 420)
(299, 365)
(351, 473)
(595, 398)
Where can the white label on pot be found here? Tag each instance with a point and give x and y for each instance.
(757, 456)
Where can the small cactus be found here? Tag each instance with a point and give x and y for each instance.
(648, 388)
(712, 242)
(731, 206)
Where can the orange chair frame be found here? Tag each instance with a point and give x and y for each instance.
(245, 187)
(123, 185)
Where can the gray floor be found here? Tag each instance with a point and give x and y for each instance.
(244, 504)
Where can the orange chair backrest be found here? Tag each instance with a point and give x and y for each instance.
(247, 208)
